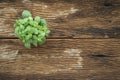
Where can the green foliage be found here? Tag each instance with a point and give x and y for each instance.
(26, 14)
(31, 31)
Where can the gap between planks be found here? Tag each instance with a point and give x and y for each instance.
(59, 38)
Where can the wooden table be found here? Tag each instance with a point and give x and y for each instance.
(84, 43)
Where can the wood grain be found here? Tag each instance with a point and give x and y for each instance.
(66, 19)
(84, 42)
(58, 59)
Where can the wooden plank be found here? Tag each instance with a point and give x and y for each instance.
(66, 19)
(84, 75)
(58, 59)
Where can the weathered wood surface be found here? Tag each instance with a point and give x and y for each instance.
(66, 18)
(59, 59)
(74, 49)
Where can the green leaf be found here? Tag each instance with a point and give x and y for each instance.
(15, 25)
(26, 14)
(25, 20)
(16, 31)
(35, 31)
(22, 27)
(47, 32)
(35, 40)
(37, 19)
(35, 43)
(35, 37)
(23, 40)
(28, 29)
(41, 34)
(43, 22)
(28, 37)
(35, 23)
(27, 45)
(21, 21)
(43, 40)
(30, 18)
(39, 40)
(31, 23)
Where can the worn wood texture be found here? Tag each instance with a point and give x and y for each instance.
(66, 18)
(59, 59)
(84, 43)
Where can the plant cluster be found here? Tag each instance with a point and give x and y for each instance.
(31, 31)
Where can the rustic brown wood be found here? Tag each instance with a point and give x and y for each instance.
(84, 42)
(66, 19)
(58, 59)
